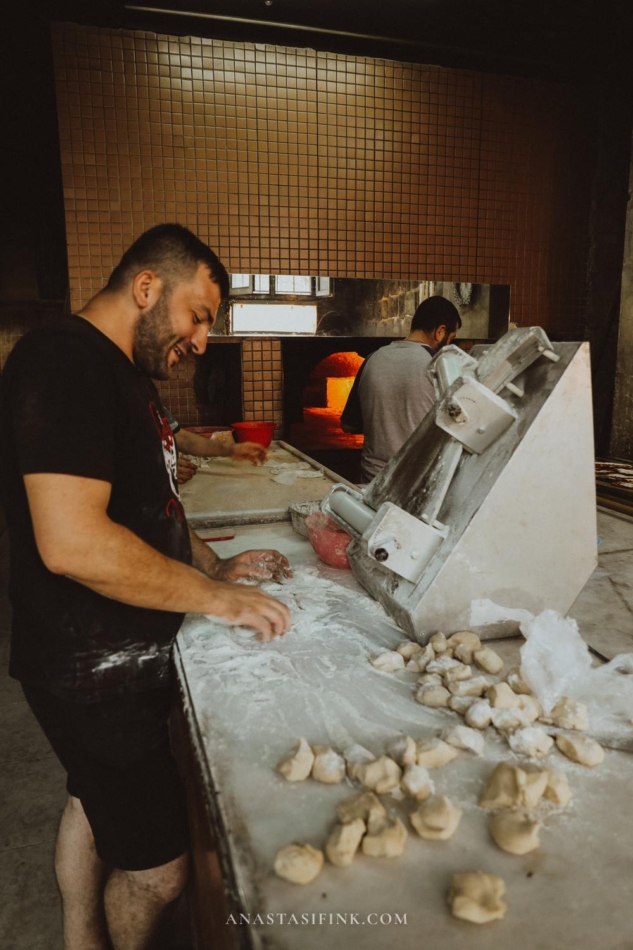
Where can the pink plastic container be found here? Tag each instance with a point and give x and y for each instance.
(261, 432)
(328, 540)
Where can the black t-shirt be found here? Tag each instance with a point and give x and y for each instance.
(72, 403)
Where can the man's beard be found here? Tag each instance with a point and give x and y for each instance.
(153, 339)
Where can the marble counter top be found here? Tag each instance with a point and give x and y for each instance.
(247, 704)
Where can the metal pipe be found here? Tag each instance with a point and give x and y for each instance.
(277, 24)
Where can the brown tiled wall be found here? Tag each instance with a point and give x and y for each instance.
(296, 161)
(262, 380)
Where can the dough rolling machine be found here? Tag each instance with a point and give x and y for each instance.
(491, 498)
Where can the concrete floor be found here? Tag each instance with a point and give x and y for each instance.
(32, 783)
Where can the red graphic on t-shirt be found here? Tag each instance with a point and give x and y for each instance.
(169, 447)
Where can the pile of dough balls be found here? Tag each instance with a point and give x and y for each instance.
(484, 699)
(362, 822)
(513, 794)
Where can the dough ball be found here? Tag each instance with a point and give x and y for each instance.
(380, 776)
(430, 679)
(344, 841)
(529, 707)
(434, 696)
(516, 682)
(515, 831)
(500, 696)
(468, 740)
(477, 897)
(385, 841)
(532, 741)
(507, 721)
(512, 787)
(436, 818)
(472, 687)
(581, 749)
(557, 789)
(488, 661)
(425, 657)
(456, 674)
(479, 714)
(329, 766)
(355, 756)
(433, 753)
(464, 636)
(402, 750)
(366, 806)
(298, 863)
(416, 782)
(297, 765)
(461, 704)
(442, 664)
(388, 662)
(464, 652)
(438, 642)
(413, 666)
(408, 648)
(568, 714)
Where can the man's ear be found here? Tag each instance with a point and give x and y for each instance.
(147, 288)
(440, 333)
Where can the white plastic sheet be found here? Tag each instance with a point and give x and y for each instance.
(555, 662)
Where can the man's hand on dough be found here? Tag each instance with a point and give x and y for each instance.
(186, 470)
(250, 607)
(253, 566)
(250, 452)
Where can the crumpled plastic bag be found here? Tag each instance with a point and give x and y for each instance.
(555, 662)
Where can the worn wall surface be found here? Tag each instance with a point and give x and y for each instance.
(297, 161)
(622, 424)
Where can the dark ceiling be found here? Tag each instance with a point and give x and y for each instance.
(546, 38)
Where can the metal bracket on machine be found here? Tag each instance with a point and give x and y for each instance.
(399, 541)
(474, 415)
(403, 543)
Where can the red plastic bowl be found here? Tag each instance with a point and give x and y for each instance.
(261, 432)
(328, 540)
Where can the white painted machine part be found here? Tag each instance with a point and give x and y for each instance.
(449, 364)
(403, 543)
(512, 355)
(348, 509)
(474, 416)
(453, 458)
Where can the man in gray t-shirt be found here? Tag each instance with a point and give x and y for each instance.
(393, 392)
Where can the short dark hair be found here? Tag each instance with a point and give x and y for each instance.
(173, 252)
(436, 312)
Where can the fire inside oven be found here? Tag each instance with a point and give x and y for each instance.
(323, 400)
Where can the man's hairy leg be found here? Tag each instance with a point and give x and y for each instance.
(136, 902)
(80, 876)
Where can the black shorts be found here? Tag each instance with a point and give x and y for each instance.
(120, 766)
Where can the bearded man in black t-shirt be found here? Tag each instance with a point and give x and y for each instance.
(103, 569)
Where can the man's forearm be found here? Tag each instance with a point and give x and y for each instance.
(118, 564)
(193, 444)
(75, 537)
